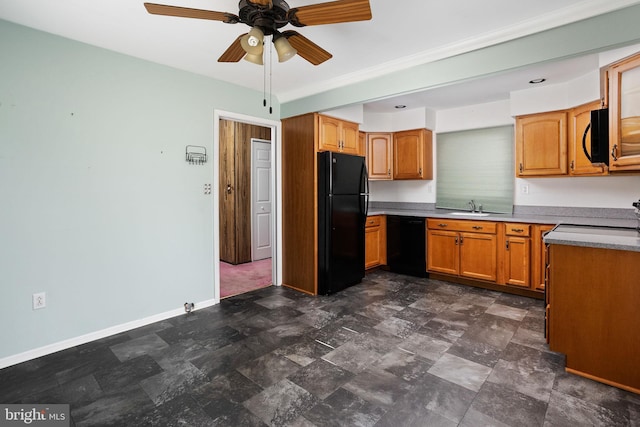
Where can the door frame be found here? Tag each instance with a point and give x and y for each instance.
(276, 188)
(253, 194)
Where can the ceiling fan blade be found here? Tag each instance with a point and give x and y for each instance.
(332, 12)
(234, 52)
(306, 48)
(186, 12)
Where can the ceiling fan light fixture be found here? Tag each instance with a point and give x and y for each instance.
(256, 59)
(253, 41)
(284, 49)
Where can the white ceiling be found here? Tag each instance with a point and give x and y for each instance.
(401, 34)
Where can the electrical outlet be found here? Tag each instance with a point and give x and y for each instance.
(39, 300)
(525, 189)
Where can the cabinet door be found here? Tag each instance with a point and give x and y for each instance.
(412, 158)
(443, 251)
(579, 164)
(539, 257)
(517, 267)
(349, 138)
(541, 144)
(362, 143)
(329, 134)
(379, 155)
(478, 256)
(372, 247)
(624, 115)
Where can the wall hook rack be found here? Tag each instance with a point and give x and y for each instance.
(196, 154)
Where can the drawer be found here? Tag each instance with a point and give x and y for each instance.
(516, 229)
(373, 221)
(465, 226)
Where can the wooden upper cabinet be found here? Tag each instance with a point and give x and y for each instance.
(379, 156)
(362, 143)
(541, 144)
(624, 114)
(337, 135)
(579, 119)
(412, 154)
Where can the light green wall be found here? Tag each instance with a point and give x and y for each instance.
(596, 34)
(98, 207)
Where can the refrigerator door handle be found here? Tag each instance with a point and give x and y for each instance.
(364, 189)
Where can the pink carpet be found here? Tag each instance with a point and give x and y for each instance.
(241, 278)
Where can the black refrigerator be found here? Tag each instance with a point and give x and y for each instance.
(343, 200)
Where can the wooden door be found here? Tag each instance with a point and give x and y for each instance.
(379, 155)
(541, 144)
(517, 267)
(443, 252)
(329, 136)
(579, 164)
(226, 192)
(350, 137)
(478, 256)
(413, 154)
(375, 241)
(624, 115)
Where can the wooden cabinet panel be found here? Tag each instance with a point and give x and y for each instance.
(337, 135)
(539, 257)
(541, 144)
(375, 241)
(442, 251)
(594, 314)
(579, 164)
(624, 120)
(517, 261)
(350, 137)
(379, 155)
(412, 154)
(517, 229)
(478, 256)
(463, 225)
(329, 138)
(362, 143)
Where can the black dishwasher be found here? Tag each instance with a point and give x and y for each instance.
(406, 245)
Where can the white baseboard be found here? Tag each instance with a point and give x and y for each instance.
(83, 339)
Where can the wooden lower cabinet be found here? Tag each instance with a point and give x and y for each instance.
(453, 250)
(516, 255)
(375, 238)
(593, 313)
(539, 256)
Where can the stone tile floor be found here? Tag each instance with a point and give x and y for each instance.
(392, 351)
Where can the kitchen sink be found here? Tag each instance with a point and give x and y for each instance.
(470, 213)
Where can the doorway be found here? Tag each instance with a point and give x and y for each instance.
(245, 250)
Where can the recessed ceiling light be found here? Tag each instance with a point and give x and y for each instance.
(400, 107)
(536, 81)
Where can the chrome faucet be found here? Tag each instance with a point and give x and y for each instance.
(472, 205)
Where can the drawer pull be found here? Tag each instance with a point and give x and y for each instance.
(477, 227)
(442, 224)
(517, 230)
(370, 222)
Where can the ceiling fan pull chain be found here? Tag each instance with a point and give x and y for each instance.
(270, 74)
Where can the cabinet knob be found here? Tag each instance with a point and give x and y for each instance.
(420, 172)
(517, 230)
(477, 227)
(442, 224)
(614, 150)
(573, 164)
(507, 245)
(389, 171)
(521, 168)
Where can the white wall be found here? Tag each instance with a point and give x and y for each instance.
(603, 192)
(99, 208)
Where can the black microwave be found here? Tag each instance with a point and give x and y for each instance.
(599, 126)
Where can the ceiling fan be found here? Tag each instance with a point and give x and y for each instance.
(267, 17)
